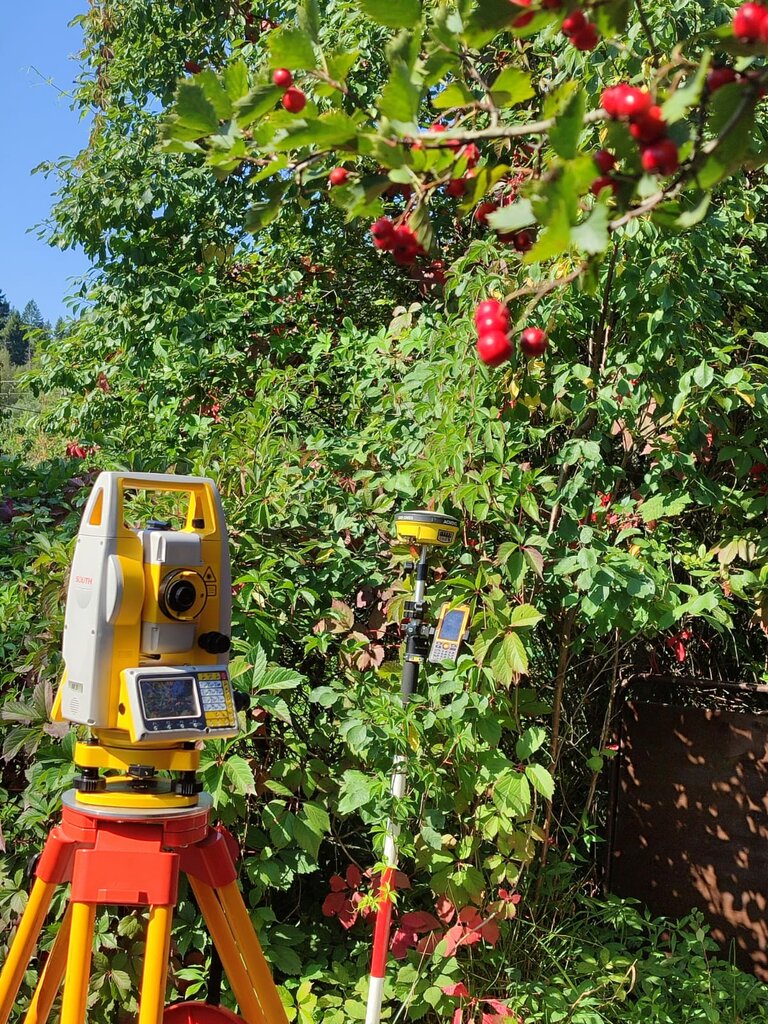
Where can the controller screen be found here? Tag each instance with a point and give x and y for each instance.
(452, 625)
(172, 697)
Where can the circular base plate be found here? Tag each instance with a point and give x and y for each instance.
(116, 809)
(199, 1013)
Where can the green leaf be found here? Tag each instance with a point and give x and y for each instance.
(512, 794)
(525, 615)
(259, 101)
(663, 506)
(591, 236)
(330, 129)
(541, 780)
(215, 93)
(513, 217)
(309, 19)
(356, 791)
(240, 774)
(564, 135)
(392, 13)
(554, 239)
(511, 86)
(193, 110)
(682, 99)
(401, 96)
(317, 817)
(291, 47)
(455, 95)
(530, 741)
(235, 79)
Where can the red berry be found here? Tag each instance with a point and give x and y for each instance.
(338, 176)
(522, 19)
(533, 342)
(522, 240)
(551, 5)
(648, 127)
(494, 348)
(718, 77)
(660, 157)
(587, 39)
(491, 322)
(294, 100)
(456, 188)
(492, 307)
(481, 213)
(574, 23)
(383, 231)
(599, 184)
(282, 77)
(470, 153)
(748, 21)
(192, 67)
(605, 161)
(625, 101)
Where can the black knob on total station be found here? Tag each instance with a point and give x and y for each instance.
(213, 642)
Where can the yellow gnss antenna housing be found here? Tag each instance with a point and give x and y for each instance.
(146, 641)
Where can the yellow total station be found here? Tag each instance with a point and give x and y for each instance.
(146, 638)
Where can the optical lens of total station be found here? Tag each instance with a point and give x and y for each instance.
(181, 596)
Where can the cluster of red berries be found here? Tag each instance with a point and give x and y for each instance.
(750, 23)
(493, 343)
(400, 240)
(605, 162)
(294, 99)
(582, 33)
(658, 153)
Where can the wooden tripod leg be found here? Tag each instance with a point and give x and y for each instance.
(223, 940)
(23, 944)
(78, 969)
(155, 973)
(248, 945)
(50, 979)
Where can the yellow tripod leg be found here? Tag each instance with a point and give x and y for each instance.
(50, 979)
(78, 968)
(248, 944)
(23, 944)
(234, 968)
(155, 972)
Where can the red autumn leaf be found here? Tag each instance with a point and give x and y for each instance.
(429, 943)
(402, 942)
(458, 1016)
(452, 939)
(354, 876)
(419, 921)
(457, 989)
(445, 909)
(347, 914)
(470, 916)
(333, 903)
(490, 932)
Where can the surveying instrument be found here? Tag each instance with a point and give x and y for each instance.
(146, 641)
(420, 530)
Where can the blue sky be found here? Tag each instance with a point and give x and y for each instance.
(36, 123)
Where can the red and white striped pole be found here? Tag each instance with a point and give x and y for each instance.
(414, 655)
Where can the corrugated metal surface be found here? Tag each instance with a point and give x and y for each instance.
(690, 819)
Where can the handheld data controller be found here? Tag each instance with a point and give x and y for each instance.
(450, 630)
(146, 636)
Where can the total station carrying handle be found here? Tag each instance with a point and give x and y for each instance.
(104, 514)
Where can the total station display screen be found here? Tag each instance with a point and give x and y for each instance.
(452, 626)
(172, 697)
